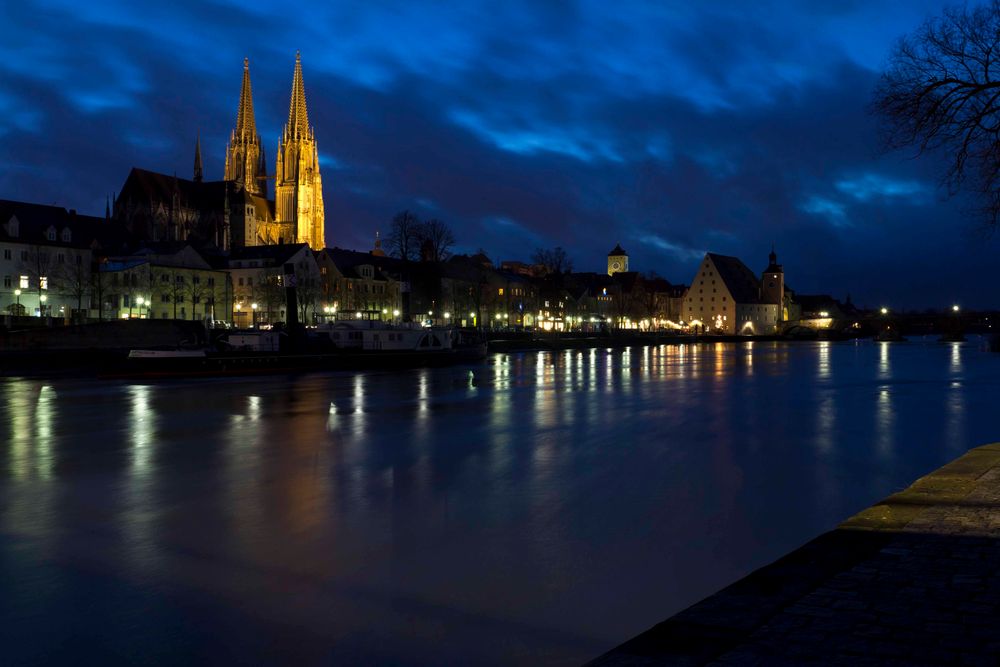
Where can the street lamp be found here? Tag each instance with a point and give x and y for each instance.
(41, 304)
(447, 316)
(17, 294)
(955, 308)
(139, 301)
(253, 306)
(885, 311)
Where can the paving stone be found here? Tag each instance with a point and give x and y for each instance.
(914, 580)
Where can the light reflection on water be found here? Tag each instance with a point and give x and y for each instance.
(537, 508)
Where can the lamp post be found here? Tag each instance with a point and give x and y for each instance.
(41, 304)
(17, 295)
(253, 306)
(139, 301)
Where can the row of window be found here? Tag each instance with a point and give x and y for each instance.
(42, 257)
(127, 301)
(24, 282)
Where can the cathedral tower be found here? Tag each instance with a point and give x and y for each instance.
(298, 195)
(243, 156)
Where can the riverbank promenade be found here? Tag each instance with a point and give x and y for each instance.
(914, 579)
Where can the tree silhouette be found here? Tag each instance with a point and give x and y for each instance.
(555, 260)
(941, 92)
(404, 236)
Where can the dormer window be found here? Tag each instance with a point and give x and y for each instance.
(50, 233)
(13, 226)
(67, 235)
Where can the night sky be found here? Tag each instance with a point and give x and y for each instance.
(672, 128)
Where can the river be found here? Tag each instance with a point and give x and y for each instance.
(538, 508)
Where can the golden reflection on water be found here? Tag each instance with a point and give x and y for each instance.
(955, 405)
(884, 367)
(823, 369)
(31, 411)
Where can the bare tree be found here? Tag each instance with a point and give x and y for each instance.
(941, 92)
(435, 240)
(404, 236)
(74, 280)
(307, 291)
(37, 264)
(199, 293)
(555, 260)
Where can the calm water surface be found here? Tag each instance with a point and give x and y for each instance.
(537, 508)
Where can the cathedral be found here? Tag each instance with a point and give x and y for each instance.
(236, 211)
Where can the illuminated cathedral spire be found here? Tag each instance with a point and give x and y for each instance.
(298, 192)
(243, 151)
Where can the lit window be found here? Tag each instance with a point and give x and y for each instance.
(43, 282)
(24, 282)
(500, 292)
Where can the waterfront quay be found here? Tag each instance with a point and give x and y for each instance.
(914, 579)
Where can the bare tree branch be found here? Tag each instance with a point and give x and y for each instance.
(941, 93)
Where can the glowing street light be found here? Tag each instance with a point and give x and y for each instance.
(395, 313)
(955, 308)
(253, 307)
(885, 311)
(447, 316)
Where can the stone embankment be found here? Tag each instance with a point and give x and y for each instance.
(914, 579)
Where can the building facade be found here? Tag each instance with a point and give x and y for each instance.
(725, 297)
(45, 260)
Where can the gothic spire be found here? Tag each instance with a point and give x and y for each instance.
(245, 124)
(197, 160)
(298, 116)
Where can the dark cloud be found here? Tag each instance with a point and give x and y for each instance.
(671, 129)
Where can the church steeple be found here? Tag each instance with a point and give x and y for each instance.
(246, 126)
(298, 191)
(298, 115)
(243, 151)
(198, 174)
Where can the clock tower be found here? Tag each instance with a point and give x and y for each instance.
(617, 260)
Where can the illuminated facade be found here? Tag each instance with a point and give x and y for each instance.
(298, 191)
(725, 297)
(617, 260)
(235, 212)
